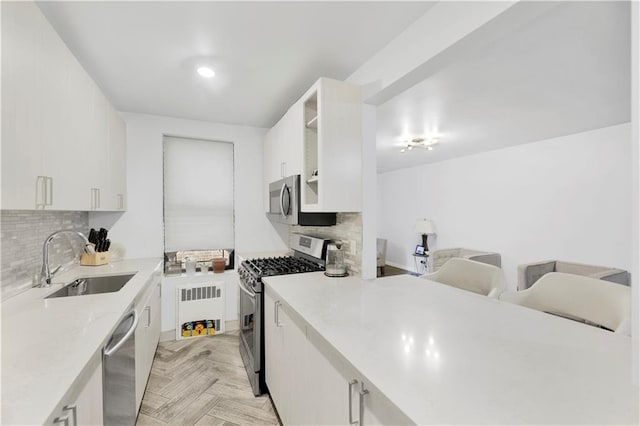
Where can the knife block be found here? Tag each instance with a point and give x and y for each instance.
(96, 259)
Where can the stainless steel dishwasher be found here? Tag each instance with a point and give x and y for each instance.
(118, 373)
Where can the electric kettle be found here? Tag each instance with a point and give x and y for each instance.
(335, 266)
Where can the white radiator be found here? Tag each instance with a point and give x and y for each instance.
(199, 309)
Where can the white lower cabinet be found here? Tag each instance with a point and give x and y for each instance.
(147, 336)
(285, 365)
(83, 407)
(309, 382)
(274, 352)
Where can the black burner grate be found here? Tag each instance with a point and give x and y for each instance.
(270, 266)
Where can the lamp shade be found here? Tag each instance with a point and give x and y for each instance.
(425, 226)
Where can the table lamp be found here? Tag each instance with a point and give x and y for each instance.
(425, 227)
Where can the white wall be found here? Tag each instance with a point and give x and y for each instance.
(369, 193)
(140, 228)
(635, 208)
(564, 198)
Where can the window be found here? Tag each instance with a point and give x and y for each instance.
(198, 201)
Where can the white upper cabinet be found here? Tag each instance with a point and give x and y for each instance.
(286, 152)
(62, 142)
(282, 148)
(291, 149)
(116, 193)
(332, 148)
(21, 111)
(320, 138)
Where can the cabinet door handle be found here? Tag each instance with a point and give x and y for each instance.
(148, 309)
(363, 393)
(351, 384)
(276, 313)
(41, 187)
(74, 410)
(60, 420)
(98, 192)
(93, 199)
(49, 191)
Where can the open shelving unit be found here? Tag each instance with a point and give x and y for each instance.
(310, 182)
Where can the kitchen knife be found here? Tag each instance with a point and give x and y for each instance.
(92, 236)
(107, 244)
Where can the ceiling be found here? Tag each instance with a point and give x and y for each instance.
(144, 55)
(537, 71)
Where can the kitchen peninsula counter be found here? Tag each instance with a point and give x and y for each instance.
(442, 355)
(48, 344)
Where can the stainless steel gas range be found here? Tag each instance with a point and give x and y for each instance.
(308, 256)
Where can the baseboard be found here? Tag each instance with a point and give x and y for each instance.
(400, 266)
(169, 335)
(231, 325)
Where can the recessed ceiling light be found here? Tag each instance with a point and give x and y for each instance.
(206, 72)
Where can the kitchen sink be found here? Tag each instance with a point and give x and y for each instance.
(93, 285)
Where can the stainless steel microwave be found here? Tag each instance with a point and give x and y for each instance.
(284, 205)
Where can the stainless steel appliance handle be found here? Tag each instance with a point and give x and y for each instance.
(363, 393)
(74, 409)
(284, 187)
(351, 384)
(127, 335)
(242, 287)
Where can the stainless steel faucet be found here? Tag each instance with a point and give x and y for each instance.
(46, 274)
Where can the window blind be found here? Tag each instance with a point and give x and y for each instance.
(198, 194)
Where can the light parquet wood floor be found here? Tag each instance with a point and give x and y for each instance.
(202, 381)
(391, 270)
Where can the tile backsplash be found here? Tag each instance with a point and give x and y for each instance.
(348, 228)
(22, 234)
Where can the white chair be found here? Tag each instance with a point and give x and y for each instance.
(439, 257)
(470, 275)
(586, 299)
(381, 249)
(529, 273)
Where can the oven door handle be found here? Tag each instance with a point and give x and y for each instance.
(243, 288)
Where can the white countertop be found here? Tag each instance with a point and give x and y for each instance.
(46, 343)
(496, 363)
